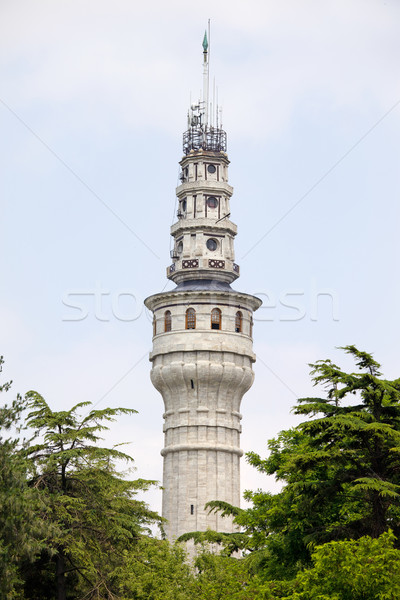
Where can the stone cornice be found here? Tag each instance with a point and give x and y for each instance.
(204, 186)
(201, 446)
(205, 155)
(224, 226)
(229, 297)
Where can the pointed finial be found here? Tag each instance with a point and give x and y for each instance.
(205, 42)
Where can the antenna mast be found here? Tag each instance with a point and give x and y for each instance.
(204, 130)
(205, 78)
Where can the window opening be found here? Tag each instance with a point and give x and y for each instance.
(192, 384)
(212, 202)
(215, 318)
(212, 244)
(192, 509)
(238, 322)
(190, 318)
(167, 320)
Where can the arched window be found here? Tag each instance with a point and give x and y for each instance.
(167, 320)
(190, 318)
(238, 322)
(154, 325)
(215, 318)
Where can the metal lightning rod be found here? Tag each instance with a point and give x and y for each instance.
(205, 77)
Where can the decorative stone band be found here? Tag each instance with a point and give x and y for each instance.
(190, 264)
(182, 428)
(234, 413)
(216, 264)
(201, 446)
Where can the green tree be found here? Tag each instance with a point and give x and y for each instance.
(219, 577)
(155, 569)
(340, 470)
(96, 515)
(21, 531)
(363, 569)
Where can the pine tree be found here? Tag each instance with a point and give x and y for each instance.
(341, 468)
(340, 471)
(96, 515)
(21, 530)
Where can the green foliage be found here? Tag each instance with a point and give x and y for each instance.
(157, 570)
(73, 528)
(154, 569)
(94, 511)
(340, 468)
(22, 532)
(363, 569)
(228, 543)
(340, 472)
(220, 577)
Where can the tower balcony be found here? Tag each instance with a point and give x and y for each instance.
(203, 268)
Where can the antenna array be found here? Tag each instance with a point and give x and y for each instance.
(204, 130)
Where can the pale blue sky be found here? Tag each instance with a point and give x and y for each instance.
(93, 101)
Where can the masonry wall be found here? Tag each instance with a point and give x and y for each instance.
(202, 393)
(202, 375)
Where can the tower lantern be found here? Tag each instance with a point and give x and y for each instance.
(202, 352)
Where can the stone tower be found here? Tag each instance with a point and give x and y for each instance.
(202, 335)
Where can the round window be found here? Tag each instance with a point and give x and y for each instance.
(212, 244)
(184, 205)
(211, 169)
(212, 202)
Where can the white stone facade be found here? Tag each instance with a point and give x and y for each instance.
(202, 342)
(202, 374)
